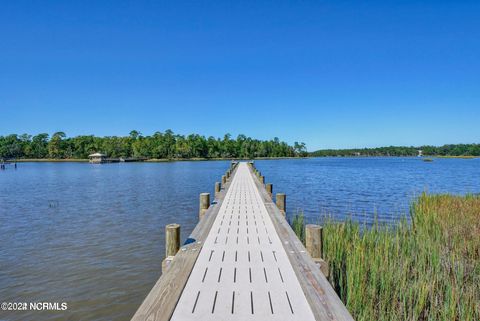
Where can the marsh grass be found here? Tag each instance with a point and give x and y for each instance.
(298, 225)
(426, 270)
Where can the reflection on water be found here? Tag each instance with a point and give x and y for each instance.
(92, 235)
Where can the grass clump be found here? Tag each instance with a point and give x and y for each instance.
(426, 270)
(298, 225)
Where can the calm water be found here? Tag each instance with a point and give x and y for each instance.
(92, 235)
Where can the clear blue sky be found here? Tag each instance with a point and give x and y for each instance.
(333, 74)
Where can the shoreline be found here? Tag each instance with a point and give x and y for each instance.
(153, 160)
(166, 160)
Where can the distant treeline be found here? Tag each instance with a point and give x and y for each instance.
(445, 150)
(167, 145)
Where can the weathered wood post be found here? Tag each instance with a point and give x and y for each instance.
(224, 179)
(282, 202)
(313, 240)
(228, 174)
(204, 204)
(172, 244)
(218, 187)
(262, 179)
(314, 245)
(269, 188)
(172, 239)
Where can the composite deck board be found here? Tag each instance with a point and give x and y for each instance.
(243, 271)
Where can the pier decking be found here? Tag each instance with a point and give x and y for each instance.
(243, 262)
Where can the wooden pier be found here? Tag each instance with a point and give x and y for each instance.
(243, 262)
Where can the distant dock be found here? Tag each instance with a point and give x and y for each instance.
(99, 158)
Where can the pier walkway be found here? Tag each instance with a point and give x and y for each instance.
(243, 262)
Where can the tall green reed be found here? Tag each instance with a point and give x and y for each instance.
(426, 270)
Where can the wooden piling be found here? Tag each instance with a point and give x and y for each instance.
(313, 244)
(218, 187)
(172, 244)
(224, 179)
(282, 202)
(269, 188)
(172, 239)
(313, 240)
(204, 204)
(262, 179)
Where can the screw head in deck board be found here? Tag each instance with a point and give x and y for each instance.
(313, 240)
(204, 204)
(166, 263)
(172, 239)
(322, 265)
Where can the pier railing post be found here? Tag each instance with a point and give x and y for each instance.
(172, 239)
(282, 202)
(218, 187)
(313, 240)
(314, 245)
(204, 204)
(224, 179)
(269, 188)
(172, 244)
(262, 179)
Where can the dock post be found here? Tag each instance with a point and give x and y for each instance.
(172, 244)
(282, 202)
(228, 174)
(314, 245)
(269, 188)
(218, 186)
(313, 240)
(262, 179)
(204, 204)
(224, 179)
(172, 239)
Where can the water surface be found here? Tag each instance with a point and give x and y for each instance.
(92, 235)
(362, 188)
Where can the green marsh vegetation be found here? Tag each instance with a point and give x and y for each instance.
(425, 269)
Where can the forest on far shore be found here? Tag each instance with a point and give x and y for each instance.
(166, 145)
(445, 150)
